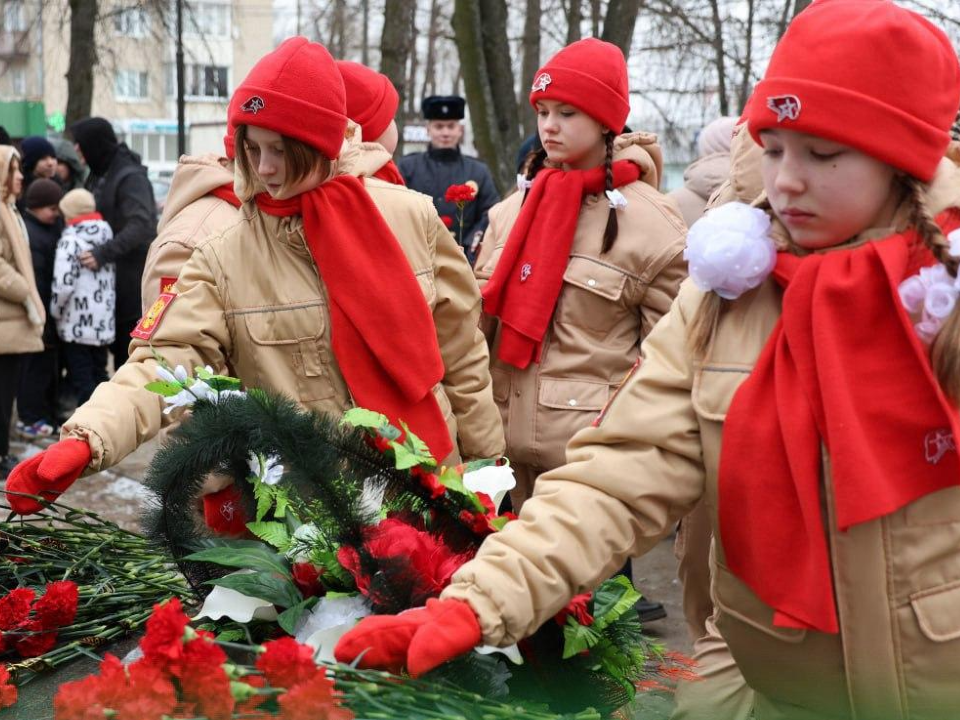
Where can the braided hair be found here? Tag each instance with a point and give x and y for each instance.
(610, 231)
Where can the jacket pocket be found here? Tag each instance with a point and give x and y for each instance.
(576, 395)
(714, 386)
(591, 294)
(500, 380)
(936, 611)
(289, 341)
(735, 600)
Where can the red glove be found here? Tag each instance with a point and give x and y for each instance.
(47, 474)
(223, 512)
(421, 639)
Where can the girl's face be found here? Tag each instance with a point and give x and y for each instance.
(14, 179)
(824, 192)
(572, 139)
(265, 153)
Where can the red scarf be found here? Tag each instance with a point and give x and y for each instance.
(382, 330)
(83, 218)
(226, 192)
(526, 283)
(390, 173)
(843, 368)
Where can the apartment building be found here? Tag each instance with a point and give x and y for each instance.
(135, 81)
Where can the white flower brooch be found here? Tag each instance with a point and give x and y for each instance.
(932, 294)
(729, 250)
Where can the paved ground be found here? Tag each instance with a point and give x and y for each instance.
(117, 494)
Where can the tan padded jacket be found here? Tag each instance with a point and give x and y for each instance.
(608, 304)
(655, 455)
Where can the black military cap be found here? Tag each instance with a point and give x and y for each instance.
(443, 107)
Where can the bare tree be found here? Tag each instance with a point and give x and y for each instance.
(83, 59)
(531, 63)
(574, 16)
(429, 69)
(396, 43)
(720, 58)
(619, 24)
(480, 30)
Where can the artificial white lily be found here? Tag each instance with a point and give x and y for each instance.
(224, 602)
(268, 469)
(493, 480)
(512, 652)
(330, 619)
(616, 199)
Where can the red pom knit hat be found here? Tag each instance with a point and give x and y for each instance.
(296, 91)
(865, 73)
(372, 100)
(591, 75)
(229, 141)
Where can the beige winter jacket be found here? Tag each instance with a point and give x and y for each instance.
(701, 178)
(251, 299)
(190, 216)
(21, 331)
(608, 304)
(655, 454)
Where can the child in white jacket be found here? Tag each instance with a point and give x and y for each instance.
(83, 299)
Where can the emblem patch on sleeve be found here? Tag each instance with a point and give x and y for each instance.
(149, 322)
(166, 284)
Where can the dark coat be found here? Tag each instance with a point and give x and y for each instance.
(124, 197)
(433, 171)
(43, 250)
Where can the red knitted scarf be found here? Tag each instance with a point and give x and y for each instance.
(526, 283)
(226, 192)
(389, 172)
(382, 330)
(845, 370)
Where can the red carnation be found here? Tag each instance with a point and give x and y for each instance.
(163, 642)
(58, 606)
(37, 642)
(8, 691)
(79, 700)
(429, 481)
(306, 576)
(578, 607)
(447, 220)
(147, 695)
(287, 663)
(313, 700)
(15, 607)
(460, 194)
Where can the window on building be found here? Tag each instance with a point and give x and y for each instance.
(18, 81)
(131, 22)
(14, 16)
(154, 147)
(207, 19)
(131, 85)
(201, 81)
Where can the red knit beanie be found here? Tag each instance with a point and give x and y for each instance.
(372, 100)
(865, 73)
(229, 141)
(296, 91)
(591, 75)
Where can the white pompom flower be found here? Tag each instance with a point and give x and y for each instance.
(930, 296)
(730, 251)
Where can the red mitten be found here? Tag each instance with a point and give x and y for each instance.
(424, 638)
(223, 512)
(47, 474)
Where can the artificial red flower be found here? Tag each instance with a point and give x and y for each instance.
(306, 576)
(430, 561)
(247, 707)
(460, 194)
(429, 481)
(58, 606)
(8, 691)
(447, 220)
(15, 607)
(314, 699)
(164, 639)
(147, 695)
(477, 522)
(287, 663)
(578, 607)
(37, 642)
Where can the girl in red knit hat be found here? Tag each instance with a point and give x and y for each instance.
(805, 384)
(333, 290)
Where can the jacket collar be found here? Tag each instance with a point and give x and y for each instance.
(443, 154)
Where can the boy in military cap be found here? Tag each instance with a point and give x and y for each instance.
(443, 165)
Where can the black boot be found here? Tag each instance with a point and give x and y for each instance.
(649, 610)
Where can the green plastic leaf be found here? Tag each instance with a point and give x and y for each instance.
(452, 480)
(264, 496)
(404, 459)
(260, 557)
(282, 500)
(231, 635)
(362, 418)
(202, 373)
(577, 637)
(612, 599)
(273, 533)
(222, 382)
(265, 585)
(499, 523)
(418, 447)
(289, 617)
(162, 387)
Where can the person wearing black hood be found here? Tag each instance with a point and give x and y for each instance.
(39, 161)
(124, 195)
